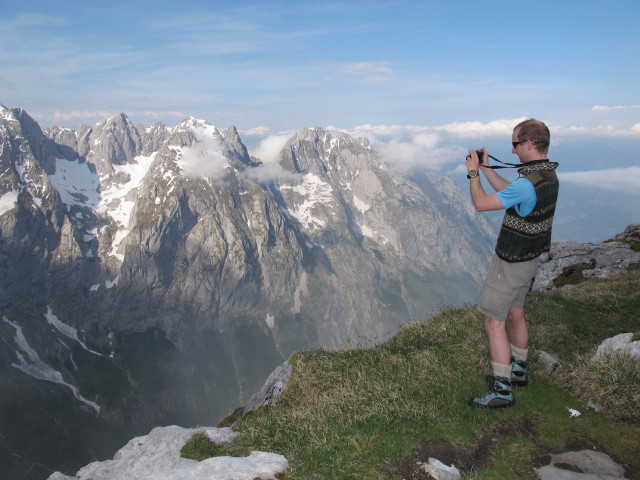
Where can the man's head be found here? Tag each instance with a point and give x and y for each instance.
(534, 137)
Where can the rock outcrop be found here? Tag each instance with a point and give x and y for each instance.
(156, 456)
(569, 263)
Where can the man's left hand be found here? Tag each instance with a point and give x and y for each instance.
(473, 162)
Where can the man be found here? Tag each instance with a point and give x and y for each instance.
(526, 233)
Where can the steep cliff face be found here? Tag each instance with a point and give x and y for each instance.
(390, 247)
(157, 275)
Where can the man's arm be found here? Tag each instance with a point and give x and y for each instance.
(497, 182)
(481, 201)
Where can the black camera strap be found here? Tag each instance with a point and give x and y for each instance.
(510, 165)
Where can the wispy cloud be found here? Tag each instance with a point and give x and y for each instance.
(75, 114)
(374, 72)
(617, 107)
(615, 179)
(270, 146)
(365, 68)
(204, 159)
(430, 147)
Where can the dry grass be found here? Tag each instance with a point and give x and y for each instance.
(612, 383)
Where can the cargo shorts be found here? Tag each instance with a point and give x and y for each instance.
(506, 286)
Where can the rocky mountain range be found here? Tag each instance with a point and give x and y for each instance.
(157, 275)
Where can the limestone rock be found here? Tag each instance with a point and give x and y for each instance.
(157, 456)
(591, 465)
(549, 362)
(620, 344)
(271, 390)
(440, 471)
(568, 263)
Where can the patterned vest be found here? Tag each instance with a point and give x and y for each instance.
(524, 238)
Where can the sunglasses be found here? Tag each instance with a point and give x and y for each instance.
(515, 144)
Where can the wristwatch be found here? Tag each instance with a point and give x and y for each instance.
(472, 174)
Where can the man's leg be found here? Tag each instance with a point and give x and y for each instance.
(518, 332)
(500, 394)
(519, 343)
(498, 341)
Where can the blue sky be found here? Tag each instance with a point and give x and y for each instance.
(285, 65)
(425, 80)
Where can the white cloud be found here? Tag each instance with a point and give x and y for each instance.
(265, 173)
(431, 147)
(160, 114)
(560, 133)
(256, 131)
(479, 129)
(462, 130)
(365, 68)
(68, 116)
(616, 179)
(375, 72)
(270, 146)
(204, 159)
(90, 116)
(8, 200)
(617, 107)
(438, 147)
(422, 151)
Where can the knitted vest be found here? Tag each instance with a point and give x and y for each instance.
(525, 238)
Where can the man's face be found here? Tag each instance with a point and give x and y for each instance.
(514, 139)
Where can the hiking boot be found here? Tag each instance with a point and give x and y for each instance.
(519, 375)
(499, 395)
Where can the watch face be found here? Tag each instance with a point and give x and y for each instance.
(472, 174)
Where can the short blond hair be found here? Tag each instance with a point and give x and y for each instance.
(536, 131)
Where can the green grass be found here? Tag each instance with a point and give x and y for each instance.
(199, 447)
(374, 413)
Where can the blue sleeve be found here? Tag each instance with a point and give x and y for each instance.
(521, 195)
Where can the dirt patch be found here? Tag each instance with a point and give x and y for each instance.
(466, 458)
(472, 458)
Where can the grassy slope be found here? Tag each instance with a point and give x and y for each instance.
(373, 413)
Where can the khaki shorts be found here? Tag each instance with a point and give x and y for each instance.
(506, 286)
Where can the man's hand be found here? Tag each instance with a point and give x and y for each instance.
(473, 162)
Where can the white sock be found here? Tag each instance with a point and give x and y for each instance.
(519, 354)
(500, 370)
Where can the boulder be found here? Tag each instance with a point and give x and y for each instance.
(439, 471)
(549, 362)
(620, 344)
(582, 465)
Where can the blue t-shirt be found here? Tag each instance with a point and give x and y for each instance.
(521, 195)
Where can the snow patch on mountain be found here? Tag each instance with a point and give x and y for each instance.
(66, 330)
(314, 191)
(117, 199)
(360, 205)
(33, 366)
(378, 237)
(76, 183)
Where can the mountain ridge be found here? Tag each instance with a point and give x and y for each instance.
(188, 269)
